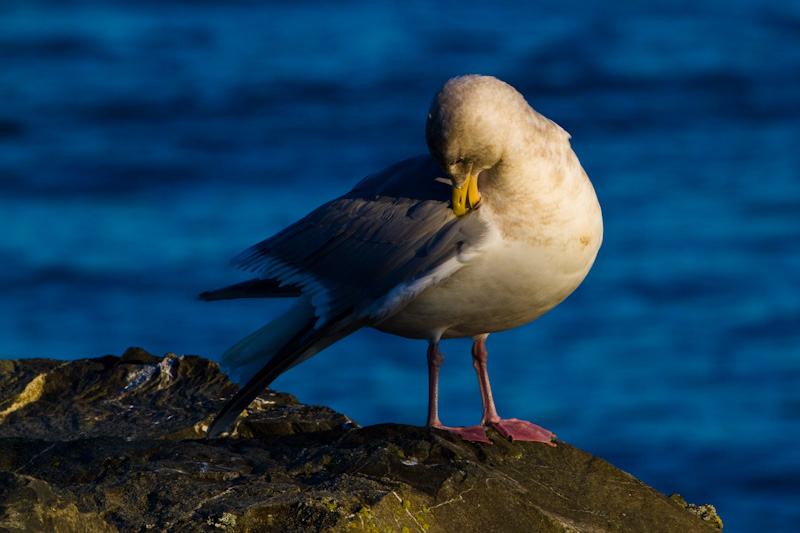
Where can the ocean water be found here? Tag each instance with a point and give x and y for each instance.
(144, 144)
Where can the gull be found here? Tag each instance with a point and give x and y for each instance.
(493, 228)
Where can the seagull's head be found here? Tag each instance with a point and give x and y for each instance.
(467, 130)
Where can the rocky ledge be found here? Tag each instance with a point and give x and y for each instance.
(117, 444)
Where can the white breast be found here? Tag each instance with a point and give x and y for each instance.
(510, 281)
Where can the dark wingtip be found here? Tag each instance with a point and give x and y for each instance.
(214, 430)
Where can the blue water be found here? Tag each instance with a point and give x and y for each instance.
(144, 144)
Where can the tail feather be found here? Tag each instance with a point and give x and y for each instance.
(265, 342)
(285, 342)
(254, 288)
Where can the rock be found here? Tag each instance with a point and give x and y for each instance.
(116, 444)
(29, 504)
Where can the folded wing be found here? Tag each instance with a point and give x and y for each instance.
(355, 260)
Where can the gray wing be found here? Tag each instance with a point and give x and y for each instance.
(394, 227)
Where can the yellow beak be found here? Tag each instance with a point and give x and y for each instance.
(466, 196)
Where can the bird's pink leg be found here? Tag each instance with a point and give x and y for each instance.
(512, 428)
(435, 358)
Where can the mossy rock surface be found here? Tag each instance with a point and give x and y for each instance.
(116, 444)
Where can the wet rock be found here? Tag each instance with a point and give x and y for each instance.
(116, 444)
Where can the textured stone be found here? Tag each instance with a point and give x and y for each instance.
(28, 504)
(116, 444)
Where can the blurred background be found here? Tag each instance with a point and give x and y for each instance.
(144, 144)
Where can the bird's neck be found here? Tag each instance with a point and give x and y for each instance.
(538, 179)
(536, 165)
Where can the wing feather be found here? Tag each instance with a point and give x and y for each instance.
(393, 227)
